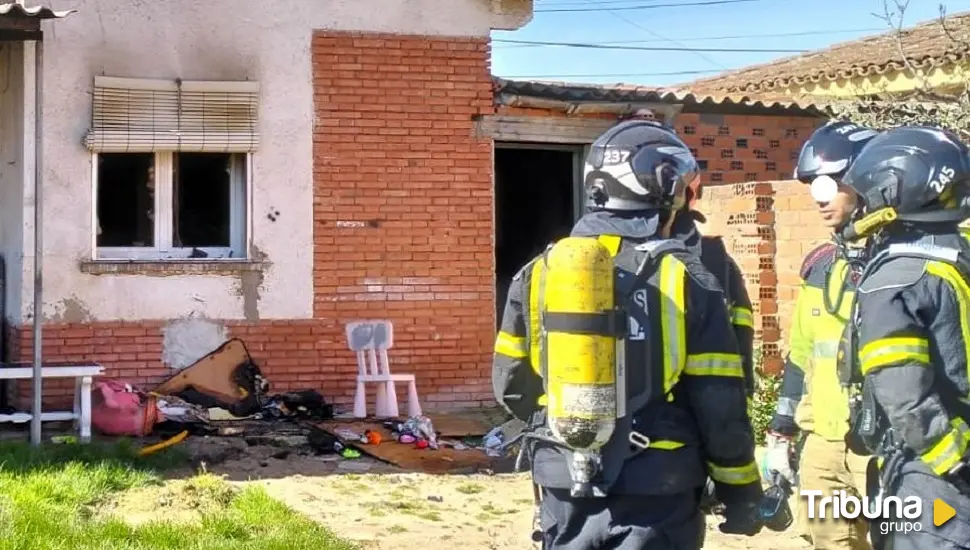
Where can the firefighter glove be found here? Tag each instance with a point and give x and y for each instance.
(777, 458)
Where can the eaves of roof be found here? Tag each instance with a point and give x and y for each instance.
(18, 9)
(569, 92)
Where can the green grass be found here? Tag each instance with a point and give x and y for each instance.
(55, 498)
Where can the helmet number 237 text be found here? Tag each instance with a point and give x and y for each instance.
(944, 179)
(615, 156)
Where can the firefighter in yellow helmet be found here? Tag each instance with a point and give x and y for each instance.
(813, 408)
(674, 398)
(908, 343)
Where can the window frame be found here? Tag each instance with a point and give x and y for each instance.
(240, 206)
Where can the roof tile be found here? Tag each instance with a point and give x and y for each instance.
(927, 46)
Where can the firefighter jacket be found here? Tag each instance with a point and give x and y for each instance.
(680, 346)
(812, 398)
(715, 257)
(913, 341)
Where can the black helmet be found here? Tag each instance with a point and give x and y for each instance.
(831, 149)
(922, 173)
(638, 165)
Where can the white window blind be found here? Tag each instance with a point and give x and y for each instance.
(140, 115)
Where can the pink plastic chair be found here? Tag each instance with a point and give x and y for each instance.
(370, 340)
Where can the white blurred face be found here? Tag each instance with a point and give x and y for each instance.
(836, 202)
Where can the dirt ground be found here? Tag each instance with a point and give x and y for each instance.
(398, 511)
(374, 503)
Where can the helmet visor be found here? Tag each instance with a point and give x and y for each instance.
(813, 163)
(671, 168)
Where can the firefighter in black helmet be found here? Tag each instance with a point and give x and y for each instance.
(686, 415)
(813, 409)
(714, 256)
(908, 340)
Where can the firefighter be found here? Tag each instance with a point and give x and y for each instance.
(909, 339)
(684, 380)
(714, 256)
(813, 407)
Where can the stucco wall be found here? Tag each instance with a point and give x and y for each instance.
(213, 40)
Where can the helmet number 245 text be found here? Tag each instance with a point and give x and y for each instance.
(940, 183)
(615, 156)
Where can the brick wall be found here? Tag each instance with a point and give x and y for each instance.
(799, 231)
(769, 228)
(402, 230)
(403, 202)
(744, 148)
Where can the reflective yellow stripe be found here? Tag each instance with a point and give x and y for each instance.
(714, 364)
(534, 316)
(947, 453)
(736, 475)
(950, 274)
(665, 444)
(611, 242)
(887, 351)
(511, 346)
(673, 325)
(742, 317)
(825, 349)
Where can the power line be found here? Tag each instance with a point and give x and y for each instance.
(610, 75)
(647, 7)
(558, 4)
(645, 48)
(703, 38)
(633, 23)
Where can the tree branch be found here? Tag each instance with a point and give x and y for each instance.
(921, 106)
(898, 32)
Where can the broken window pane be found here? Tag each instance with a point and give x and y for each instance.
(202, 200)
(126, 199)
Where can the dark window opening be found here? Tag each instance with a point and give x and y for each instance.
(126, 200)
(201, 200)
(534, 206)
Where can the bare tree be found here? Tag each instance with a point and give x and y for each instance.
(923, 105)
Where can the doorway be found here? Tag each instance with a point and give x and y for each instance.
(538, 194)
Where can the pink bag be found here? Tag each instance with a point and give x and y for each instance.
(119, 409)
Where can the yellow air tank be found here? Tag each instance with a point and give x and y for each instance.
(582, 372)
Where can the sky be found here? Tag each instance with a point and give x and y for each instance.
(797, 26)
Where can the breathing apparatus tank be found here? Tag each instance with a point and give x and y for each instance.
(583, 351)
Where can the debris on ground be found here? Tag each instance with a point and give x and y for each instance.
(220, 409)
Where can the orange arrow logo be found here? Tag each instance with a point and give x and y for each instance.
(942, 512)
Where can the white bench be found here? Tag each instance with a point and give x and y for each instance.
(83, 377)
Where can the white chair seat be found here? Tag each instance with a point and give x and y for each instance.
(370, 340)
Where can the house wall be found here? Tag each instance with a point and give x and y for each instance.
(350, 122)
(952, 77)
